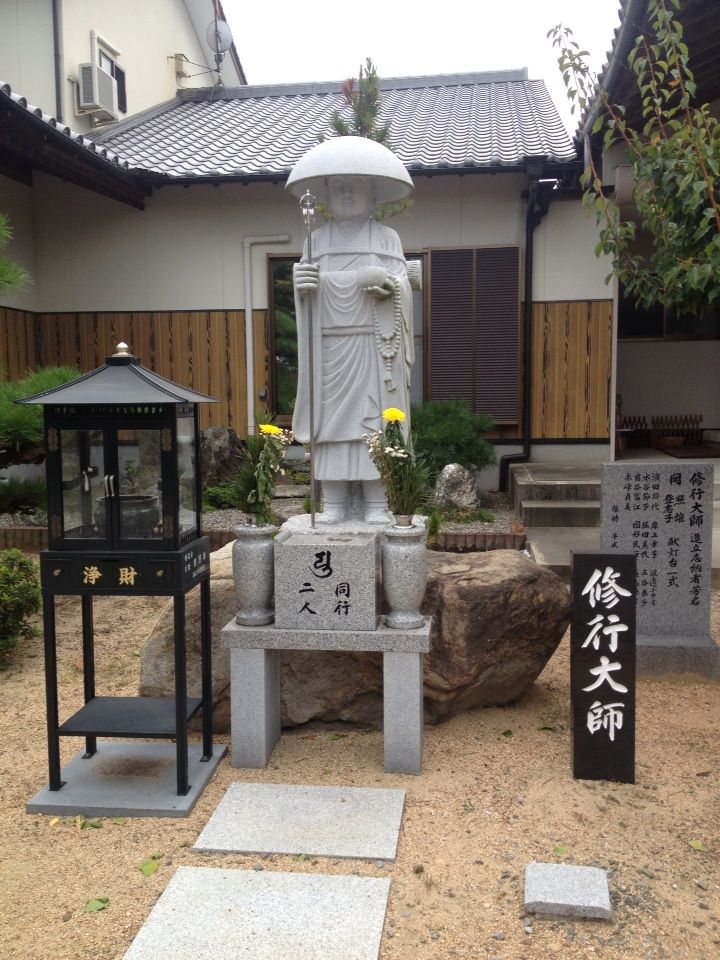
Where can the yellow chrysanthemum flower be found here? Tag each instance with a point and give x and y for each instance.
(269, 429)
(393, 415)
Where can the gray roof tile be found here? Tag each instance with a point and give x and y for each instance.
(463, 121)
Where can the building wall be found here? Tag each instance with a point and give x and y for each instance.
(26, 25)
(147, 34)
(670, 377)
(88, 246)
(98, 262)
(565, 265)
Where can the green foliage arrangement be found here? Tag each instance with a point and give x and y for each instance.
(447, 431)
(22, 496)
(253, 487)
(405, 476)
(12, 275)
(674, 161)
(21, 426)
(19, 598)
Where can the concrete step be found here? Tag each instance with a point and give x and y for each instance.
(557, 490)
(560, 513)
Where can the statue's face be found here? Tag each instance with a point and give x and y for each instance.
(349, 197)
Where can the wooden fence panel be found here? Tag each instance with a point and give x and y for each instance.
(18, 343)
(571, 357)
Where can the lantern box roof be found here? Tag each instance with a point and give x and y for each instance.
(120, 380)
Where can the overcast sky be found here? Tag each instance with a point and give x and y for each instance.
(318, 40)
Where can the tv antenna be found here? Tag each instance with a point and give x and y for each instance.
(219, 38)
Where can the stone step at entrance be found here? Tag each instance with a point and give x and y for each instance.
(551, 495)
(560, 513)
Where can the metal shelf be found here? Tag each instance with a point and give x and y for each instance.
(127, 717)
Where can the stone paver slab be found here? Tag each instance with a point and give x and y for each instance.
(211, 914)
(324, 821)
(565, 890)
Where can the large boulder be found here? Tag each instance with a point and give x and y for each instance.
(497, 619)
(456, 487)
(219, 455)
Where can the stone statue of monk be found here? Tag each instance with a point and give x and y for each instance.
(363, 344)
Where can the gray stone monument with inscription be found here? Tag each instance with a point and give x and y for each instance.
(663, 512)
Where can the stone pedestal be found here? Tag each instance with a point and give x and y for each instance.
(255, 686)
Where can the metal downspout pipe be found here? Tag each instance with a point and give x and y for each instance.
(248, 244)
(538, 203)
(57, 58)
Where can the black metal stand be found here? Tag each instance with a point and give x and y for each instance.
(152, 717)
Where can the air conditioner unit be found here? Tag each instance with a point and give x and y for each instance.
(97, 92)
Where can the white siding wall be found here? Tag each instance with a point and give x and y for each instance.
(16, 201)
(146, 33)
(566, 267)
(26, 50)
(185, 250)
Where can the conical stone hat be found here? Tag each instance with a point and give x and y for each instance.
(350, 157)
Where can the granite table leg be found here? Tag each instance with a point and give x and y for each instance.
(403, 711)
(254, 705)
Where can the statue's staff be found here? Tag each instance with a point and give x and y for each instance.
(307, 205)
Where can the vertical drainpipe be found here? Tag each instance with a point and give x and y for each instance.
(57, 57)
(248, 244)
(539, 195)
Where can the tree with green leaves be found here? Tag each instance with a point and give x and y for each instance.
(12, 275)
(363, 98)
(674, 160)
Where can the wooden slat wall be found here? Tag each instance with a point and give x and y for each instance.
(18, 343)
(572, 358)
(204, 349)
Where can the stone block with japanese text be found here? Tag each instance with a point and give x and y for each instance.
(603, 666)
(326, 582)
(663, 513)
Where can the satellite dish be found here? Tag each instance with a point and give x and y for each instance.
(219, 36)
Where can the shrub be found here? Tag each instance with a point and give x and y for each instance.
(19, 597)
(447, 431)
(21, 427)
(22, 496)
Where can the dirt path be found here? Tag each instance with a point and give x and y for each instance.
(496, 792)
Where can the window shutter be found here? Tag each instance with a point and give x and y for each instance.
(451, 330)
(119, 75)
(496, 332)
(474, 308)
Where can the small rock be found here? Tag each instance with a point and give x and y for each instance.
(391, 933)
(380, 864)
(647, 872)
(500, 935)
(258, 867)
(418, 868)
(528, 927)
(392, 922)
(505, 875)
(456, 487)
(67, 916)
(703, 906)
(702, 884)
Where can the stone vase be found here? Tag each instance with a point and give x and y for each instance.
(253, 558)
(404, 569)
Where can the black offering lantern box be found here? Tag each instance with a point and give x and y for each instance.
(122, 480)
(124, 501)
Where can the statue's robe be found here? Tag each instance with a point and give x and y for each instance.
(350, 374)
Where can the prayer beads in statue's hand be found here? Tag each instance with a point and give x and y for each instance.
(306, 277)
